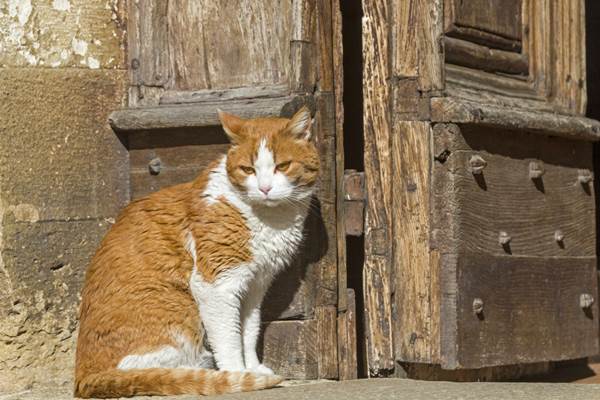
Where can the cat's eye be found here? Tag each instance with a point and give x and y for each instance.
(281, 167)
(247, 170)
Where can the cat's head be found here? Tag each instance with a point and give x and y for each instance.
(272, 161)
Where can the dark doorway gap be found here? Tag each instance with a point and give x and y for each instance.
(354, 155)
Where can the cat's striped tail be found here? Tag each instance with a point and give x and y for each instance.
(165, 381)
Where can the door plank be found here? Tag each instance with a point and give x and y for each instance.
(209, 38)
(347, 346)
(416, 27)
(503, 197)
(521, 310)
(377, 283)
(465, 53)
(502, 17)
(414, 334)
(289, 348)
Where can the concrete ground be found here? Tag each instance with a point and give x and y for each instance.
(380, 389)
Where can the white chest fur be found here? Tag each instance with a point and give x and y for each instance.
(230, 306)
(276, 232)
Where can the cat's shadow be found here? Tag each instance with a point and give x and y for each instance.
(291, 295)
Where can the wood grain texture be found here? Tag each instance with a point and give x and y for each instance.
(413, 330)
(338, 93)
(290, 348)
(484, 38)
(568, 26)
(194, 115)
(416, 27)
(327, 342)
(209, 38)
(556, 80)
(531, 310)
(304, 59)
(211, 95)
(468, 213)
(303, 17)
(492, 88)
(460, 111)
(325, 34)
(503, 197)
(408, 102)
(501, 17)
(347, 350)
(149, 57)
(468, 54)
(327, 266)
(147, 49)
(377, 272)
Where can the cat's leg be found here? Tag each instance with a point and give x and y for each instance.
(220, 312)
(251, 327)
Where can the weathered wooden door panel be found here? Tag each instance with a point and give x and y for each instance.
(184, 51)
(515, 226)
(500, 51)
(470, 192)
(510, 309)
(525, 185)
(499, 17)
(190, 58)
(228, 44)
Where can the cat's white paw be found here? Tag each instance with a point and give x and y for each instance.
(262, 369)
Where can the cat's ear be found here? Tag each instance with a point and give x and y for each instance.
(300, 125)
(232, 126)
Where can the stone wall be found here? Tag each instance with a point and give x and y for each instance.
(63, 173)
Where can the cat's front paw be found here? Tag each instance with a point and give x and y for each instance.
(262, 369)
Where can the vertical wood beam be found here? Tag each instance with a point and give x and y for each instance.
(418, 69)
(417, 28)
(338, 82)
(347, 350)
(416, 285)
(302, 47)
(568, 18)
(377, 282)
(327, 342)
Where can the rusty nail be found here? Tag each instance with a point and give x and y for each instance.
(559, 236)
(135, 63)
(586, 300)
(585, 176)
(504, 238)
(158, 77)
(477, 164)
(155, 165)
(536, 170)
(477, 305)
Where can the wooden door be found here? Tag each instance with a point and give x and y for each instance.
(188, 58)
(480, 234)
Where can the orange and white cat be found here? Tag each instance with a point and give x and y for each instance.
(177, 283)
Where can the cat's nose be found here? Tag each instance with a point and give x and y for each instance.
(265, 189)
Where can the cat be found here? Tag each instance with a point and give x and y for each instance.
(178, 281)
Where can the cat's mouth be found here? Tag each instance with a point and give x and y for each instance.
(271, 202)
(267, 202)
